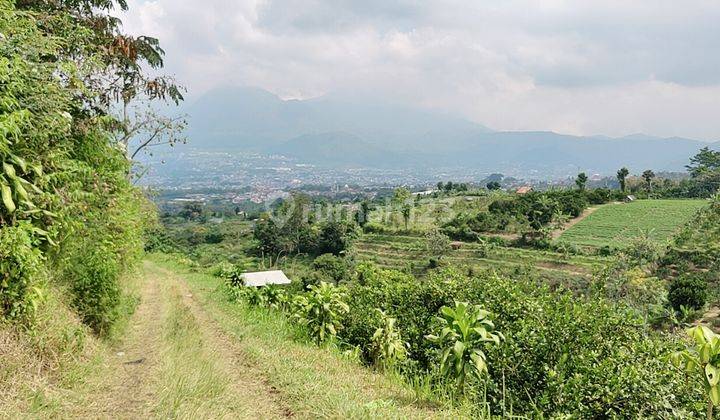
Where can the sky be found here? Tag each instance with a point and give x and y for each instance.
(608, 67)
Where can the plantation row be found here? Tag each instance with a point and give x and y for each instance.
(397, 252)
(614, 224)
(499, 342)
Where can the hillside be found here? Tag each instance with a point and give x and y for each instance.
(337, 131)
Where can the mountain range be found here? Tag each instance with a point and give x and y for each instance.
(341, 131)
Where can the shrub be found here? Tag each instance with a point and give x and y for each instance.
(466, 329)
(95, 288)
(331, 269)
(20, 262)
(689, 291)
(320, 311)
(584, 358)
(388, 348)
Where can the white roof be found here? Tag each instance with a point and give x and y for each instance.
(263, 278)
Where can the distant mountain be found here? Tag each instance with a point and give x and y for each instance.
(337, 148)
(341, 131)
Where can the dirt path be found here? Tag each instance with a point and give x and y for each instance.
(175, 362)
(126, 386)
(572, 222)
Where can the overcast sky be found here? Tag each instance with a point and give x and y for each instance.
(611, 67)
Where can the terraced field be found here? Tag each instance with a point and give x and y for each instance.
(410, 252)
(615, 224)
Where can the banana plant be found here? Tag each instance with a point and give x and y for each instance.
(703, 361)
(387, 345)
(466, 330)
(321, 310)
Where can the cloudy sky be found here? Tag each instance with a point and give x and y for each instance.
(612, 67)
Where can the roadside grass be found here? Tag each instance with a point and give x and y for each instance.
(193, 384)
(615, 224)
(48, 369)
(314, 382)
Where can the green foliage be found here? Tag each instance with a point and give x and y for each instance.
(20, 262)
(388, 348)
(688, 290)
(584, 358)
(466, 329)
(335, 237)
(581, 180)
(320, 311)
(331, 269)
(616, 224)
(438, 244)
(622, 174)
(96, 292)
(68, 208)
(702, 361)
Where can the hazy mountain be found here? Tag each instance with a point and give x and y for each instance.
(339, 148)
(341, 131)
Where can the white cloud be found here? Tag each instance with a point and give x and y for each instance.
(593, 67)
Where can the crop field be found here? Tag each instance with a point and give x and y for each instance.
(410, 252)
(615, 224)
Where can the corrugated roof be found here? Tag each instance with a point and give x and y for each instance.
(263, 278)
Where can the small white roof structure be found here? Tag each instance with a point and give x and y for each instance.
(263, 278)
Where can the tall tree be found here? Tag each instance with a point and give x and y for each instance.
(581, 181)
(703, 163)
(119, 84)
(648, 176)
(622, 174)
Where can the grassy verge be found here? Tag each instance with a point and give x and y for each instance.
(45, 371)
(313, 382)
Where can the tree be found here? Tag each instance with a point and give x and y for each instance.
(438, 244)
(119, 78)
(581, 180)
(706, 161)
(440, 186)
(648, 176)
(332, 269)
(493, 186)
(401, 195)
(335, 237)
(406, 212)
(363, 214)
(622, 178)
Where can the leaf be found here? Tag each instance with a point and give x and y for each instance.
(712, 374)
(714, 395)
(9, 170)
(7, 198)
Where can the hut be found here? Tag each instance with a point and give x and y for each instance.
(264, 278)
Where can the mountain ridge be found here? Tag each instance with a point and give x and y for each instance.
(342, 131)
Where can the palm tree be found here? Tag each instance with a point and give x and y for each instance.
(621, 176)
(648, 177)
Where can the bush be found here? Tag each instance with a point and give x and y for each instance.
(96, 292)
(688, 290)
(585, 359)
(20, 262)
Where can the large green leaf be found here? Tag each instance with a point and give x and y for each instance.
(7, 198)
(712, 374)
